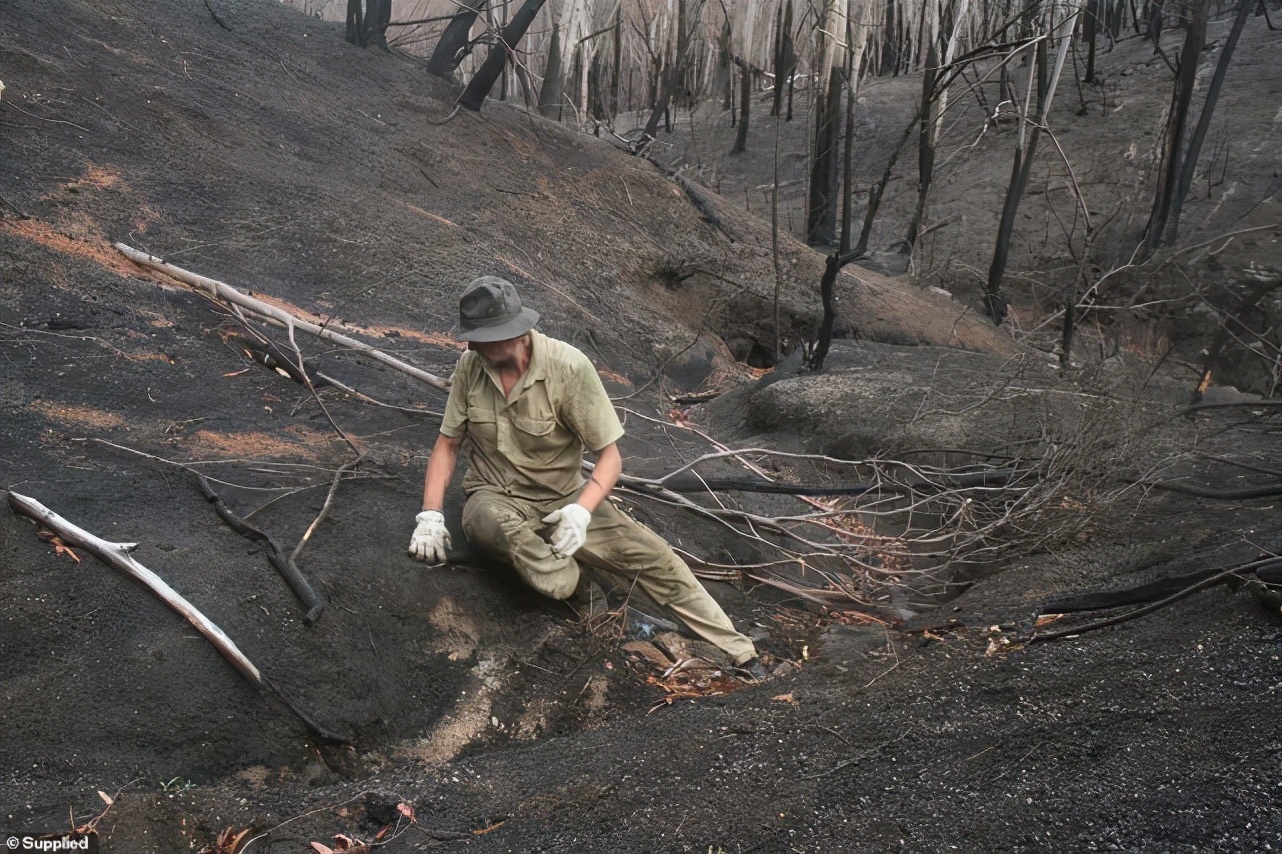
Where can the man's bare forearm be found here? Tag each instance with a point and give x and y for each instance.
(440, 470)
(609, 465)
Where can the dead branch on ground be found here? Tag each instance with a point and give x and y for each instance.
(940, 517)
(1233, 571)
(283, 561)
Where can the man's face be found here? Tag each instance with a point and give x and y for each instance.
(499, 355)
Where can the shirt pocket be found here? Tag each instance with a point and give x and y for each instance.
(538, 437)
(481, 422)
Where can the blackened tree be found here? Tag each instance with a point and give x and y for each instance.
(483, 81)
(454, 43)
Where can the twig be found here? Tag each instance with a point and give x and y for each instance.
(14, 208)
(217, 19)
(244, 849)
(329, 500)
(858, 758)
(306, 594)
(346, 389)
(43, 119)
(1219, 494)
(307, 382)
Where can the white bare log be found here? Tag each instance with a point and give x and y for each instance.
(118, 555)
(227, 293)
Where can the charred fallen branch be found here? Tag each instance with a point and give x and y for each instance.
(687, 482)
(1142, 595)
(1266, 491)
(1265, 567)
(283, 561)
(118, 555)
(266, 352)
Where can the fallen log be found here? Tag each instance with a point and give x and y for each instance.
(1217, 494)
(1142, 595)
(270, 312)
(1207, 580)
(118, 555)
(688, 482)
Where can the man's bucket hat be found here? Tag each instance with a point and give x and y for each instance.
(490, 309)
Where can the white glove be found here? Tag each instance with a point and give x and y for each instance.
(430, 537)
(571, 530)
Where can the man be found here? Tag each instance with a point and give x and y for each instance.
(530, 405)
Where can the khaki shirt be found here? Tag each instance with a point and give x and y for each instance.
(530, 444)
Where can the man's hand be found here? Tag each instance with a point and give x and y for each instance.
(571, 530)
(430, 537)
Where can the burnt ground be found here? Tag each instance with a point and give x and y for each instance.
(246, 142)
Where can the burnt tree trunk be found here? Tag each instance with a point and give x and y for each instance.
(453, 43)
(745, 104)
(785, 56)
(847, 176)
(1091, 24)
(925, 142)
(832, 266)
(725, 69)
(660, 107)
(876, 193)
(378, 15)
(670, 75)
(821, 216)
(1021, 169)
(1177, 120)
(792, 78)
(1154, 29)
(1194, 151)
(847, 160)
(355, 33)
(553, 80)
(481, 84)
(889, 52)
(618, 64)
(527, 84)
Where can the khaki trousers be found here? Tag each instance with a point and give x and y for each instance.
(507, 528)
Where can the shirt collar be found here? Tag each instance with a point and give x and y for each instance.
(537, 369)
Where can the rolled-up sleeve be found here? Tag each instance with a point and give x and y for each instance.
(454, 421)
(586, 408)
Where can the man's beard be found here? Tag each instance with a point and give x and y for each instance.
(508, 363)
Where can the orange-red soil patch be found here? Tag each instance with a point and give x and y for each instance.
(98, 251)
(416, 209)
(613, 377)
(254, 443)
(80, 416)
